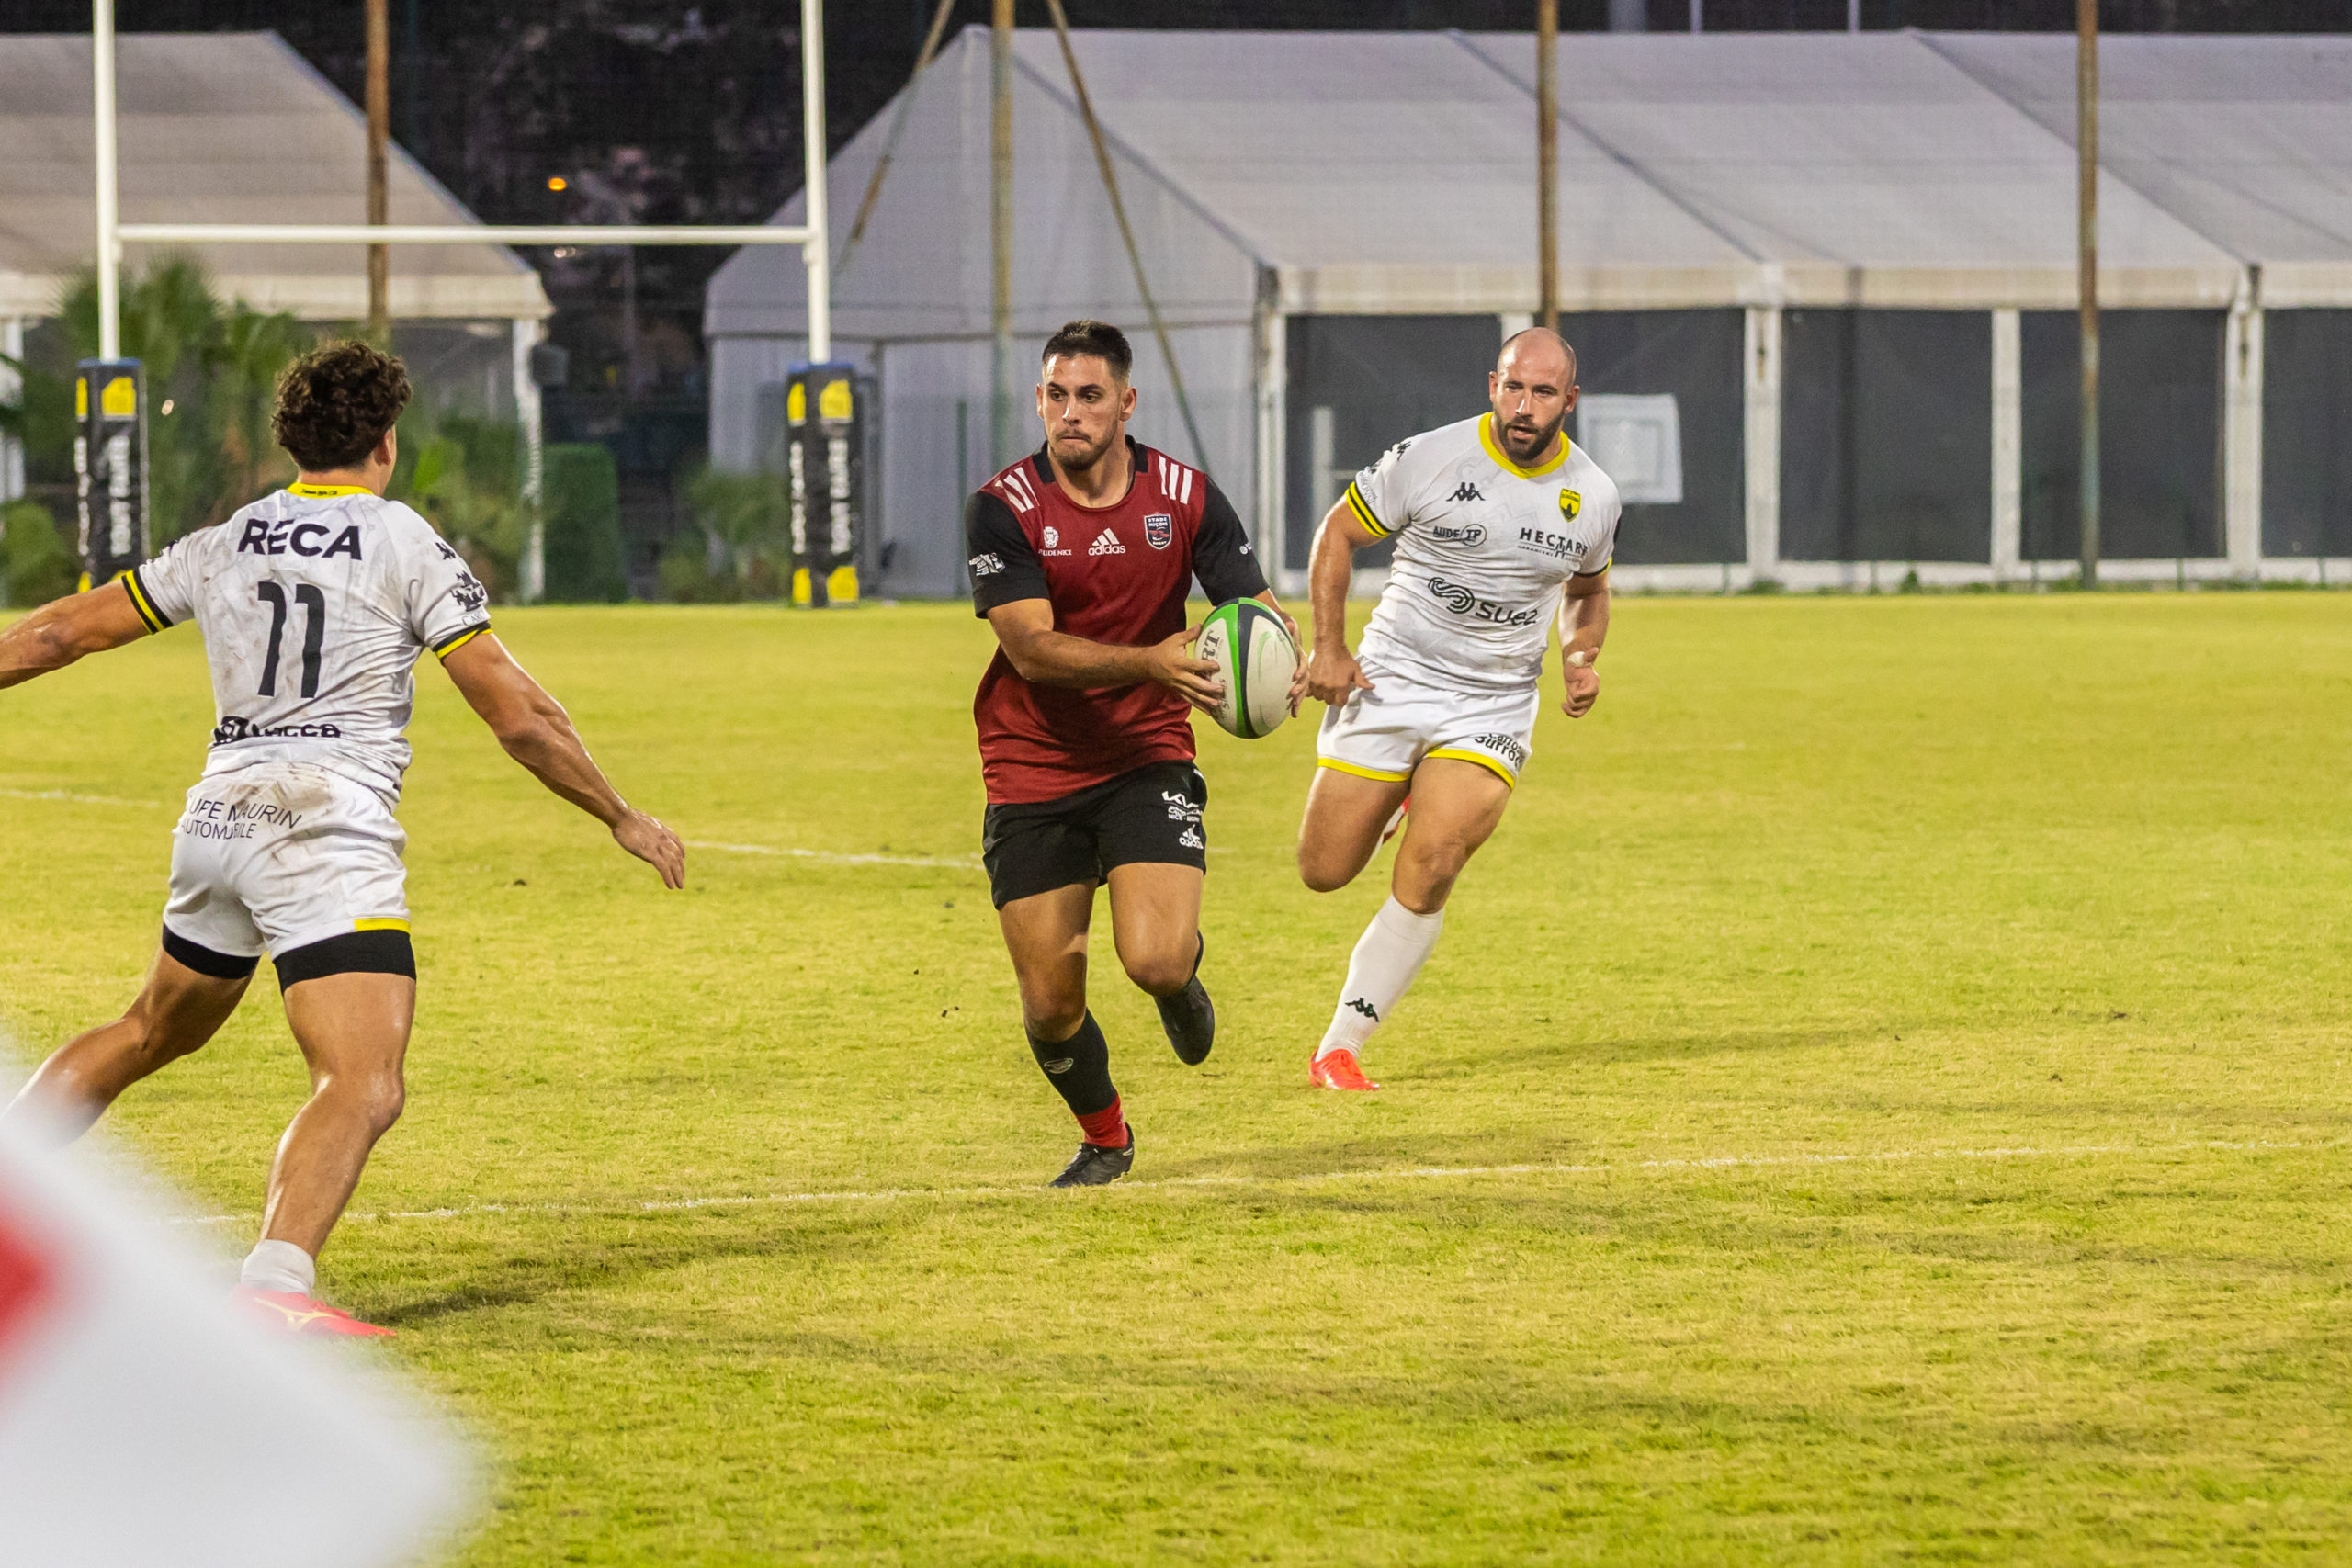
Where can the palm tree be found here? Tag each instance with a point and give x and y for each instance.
(211, 371)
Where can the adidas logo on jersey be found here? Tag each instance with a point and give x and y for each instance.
(1106, 543)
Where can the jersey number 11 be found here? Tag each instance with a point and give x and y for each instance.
(314, 633)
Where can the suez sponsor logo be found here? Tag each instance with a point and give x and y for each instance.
(235, 819)
(264, 536)
(1462, 601)
(232, 730)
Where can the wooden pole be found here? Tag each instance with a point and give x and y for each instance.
(897, 128)
(379, 126)
(1126, 231)
(1547, 163)
(2087, 151)
(1000, 233)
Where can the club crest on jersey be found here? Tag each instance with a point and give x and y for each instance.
(1570, 503)
(1158, 530)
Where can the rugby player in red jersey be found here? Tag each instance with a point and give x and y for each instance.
(1082, 555)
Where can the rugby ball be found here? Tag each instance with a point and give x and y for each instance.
(1255, 660)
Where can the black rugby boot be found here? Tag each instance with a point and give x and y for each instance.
(1190, 1017)
(1096, 1166)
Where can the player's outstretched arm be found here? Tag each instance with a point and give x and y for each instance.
(538, 733)
(1048, 658)
(1332, 674)
(1584, 626)
(66, 630)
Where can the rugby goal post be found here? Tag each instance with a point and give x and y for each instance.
(812, 235)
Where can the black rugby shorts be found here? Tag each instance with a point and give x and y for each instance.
(1151, 816)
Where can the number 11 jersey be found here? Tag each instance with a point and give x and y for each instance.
(315, 603)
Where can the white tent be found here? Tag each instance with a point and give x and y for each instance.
(1806, 206)
(230, 128)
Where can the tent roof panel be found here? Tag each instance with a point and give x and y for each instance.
(1396, 172)
(227, 128)
(2247, 140)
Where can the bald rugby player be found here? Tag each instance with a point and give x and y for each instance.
(1504, 528)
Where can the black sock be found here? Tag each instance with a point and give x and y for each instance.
(1078, 1069)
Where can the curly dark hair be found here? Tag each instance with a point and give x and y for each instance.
(334, 404)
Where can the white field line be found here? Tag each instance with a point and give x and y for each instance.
(1418, 1173)
(832, 858)
(828, 856)
(79, 799)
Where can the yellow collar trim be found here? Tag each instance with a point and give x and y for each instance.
(1494, 449)
(320, 492)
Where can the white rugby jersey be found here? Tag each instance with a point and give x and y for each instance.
(315, 603)
(1483, 547)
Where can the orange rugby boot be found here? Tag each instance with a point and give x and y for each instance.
(1338, 1069)
(292, 1313)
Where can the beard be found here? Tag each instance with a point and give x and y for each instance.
(1528, 440)
(1078, 459)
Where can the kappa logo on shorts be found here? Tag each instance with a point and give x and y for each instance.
(1158, 530)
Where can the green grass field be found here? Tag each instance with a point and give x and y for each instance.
(1881, 1097)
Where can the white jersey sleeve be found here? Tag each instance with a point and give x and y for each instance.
(164, 590)
(1385, 496)
(444, 603)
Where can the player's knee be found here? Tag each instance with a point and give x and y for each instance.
(1163, 973)
(1053, 1015)
(379, 1098)
(1322, 871)
(149, 1038)
(386, 1100)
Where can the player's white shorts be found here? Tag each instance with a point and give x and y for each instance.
(1386, 732)
(275, 857)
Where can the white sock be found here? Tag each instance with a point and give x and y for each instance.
(1389, 954)
(279, 1266)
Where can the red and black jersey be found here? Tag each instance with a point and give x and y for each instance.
(1115, 574)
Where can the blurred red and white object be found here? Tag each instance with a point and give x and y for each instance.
(143, 1420)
